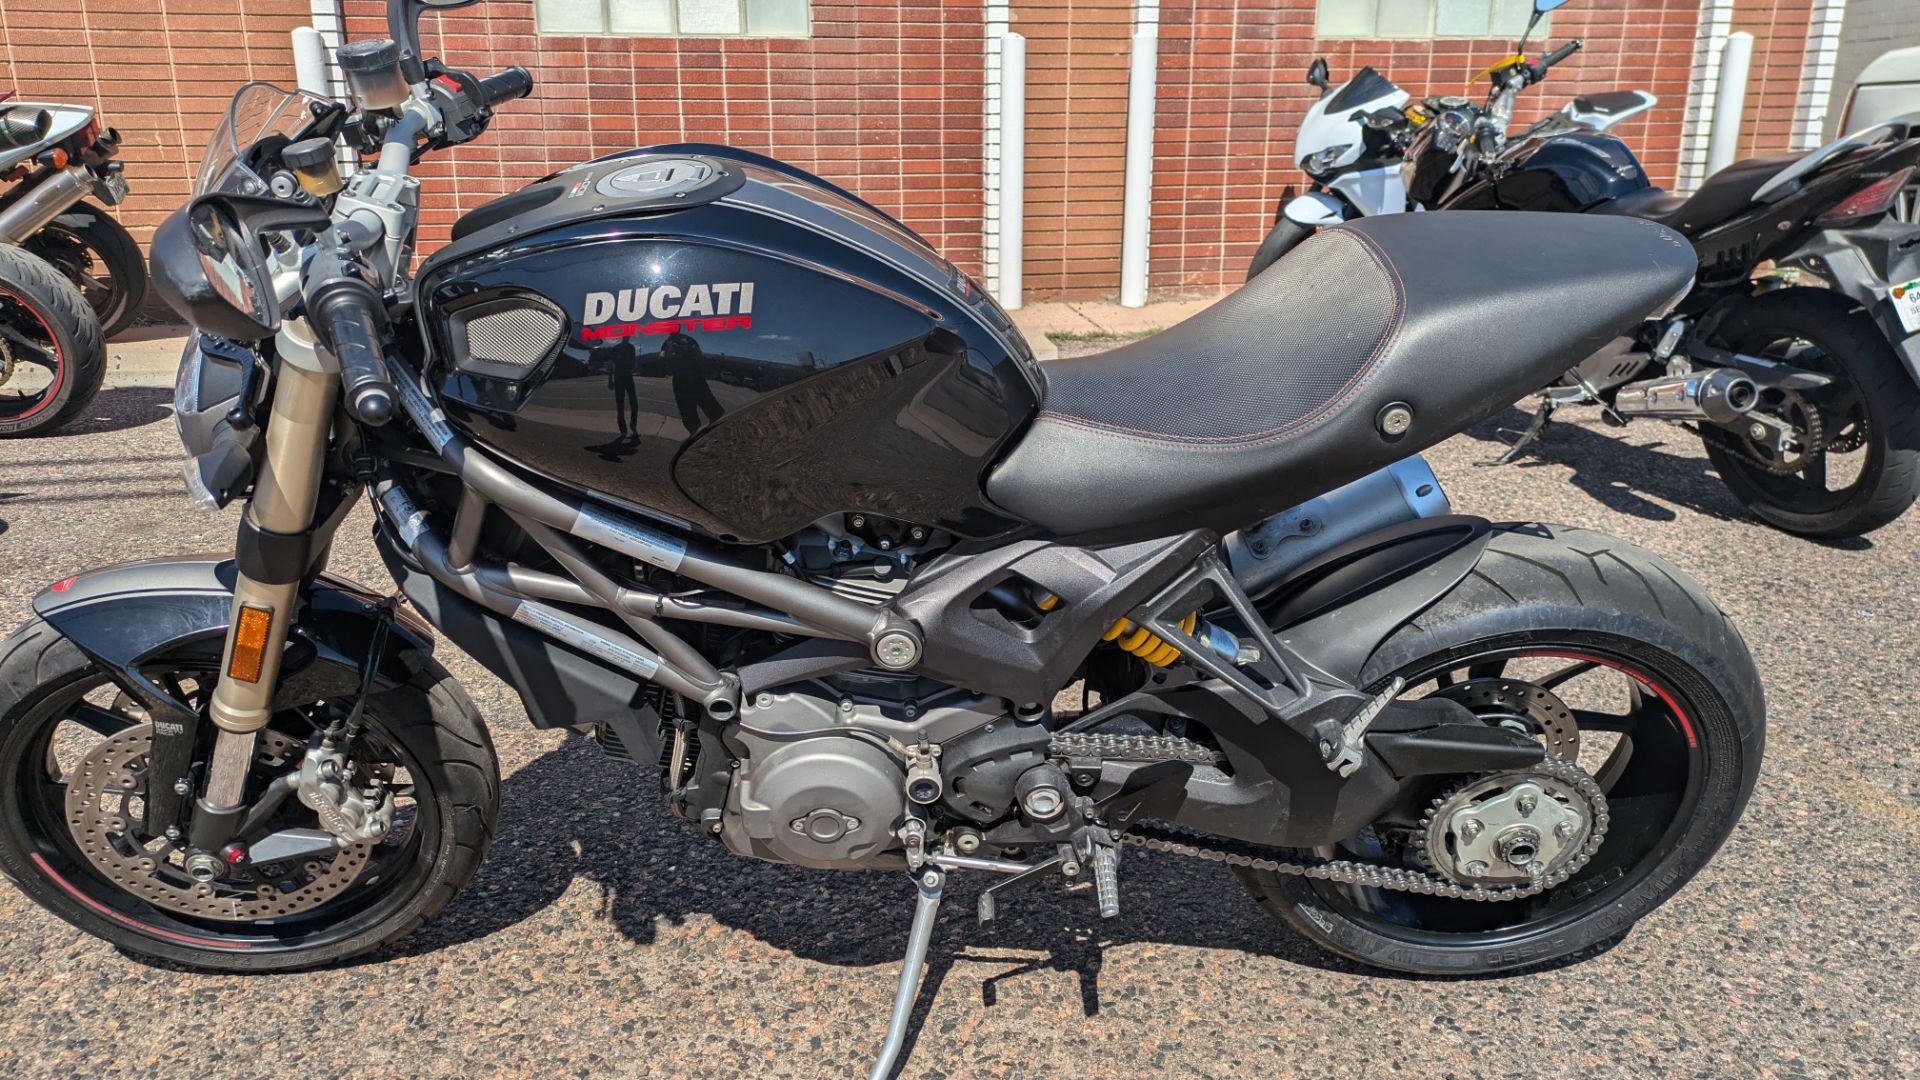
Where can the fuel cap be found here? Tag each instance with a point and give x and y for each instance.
(656, 178)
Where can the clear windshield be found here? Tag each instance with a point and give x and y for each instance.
(258, 111)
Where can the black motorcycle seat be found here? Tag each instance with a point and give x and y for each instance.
(1608, 102)
(1724, 196)
(1283, 389)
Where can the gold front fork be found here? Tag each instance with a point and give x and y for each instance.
(284, 497)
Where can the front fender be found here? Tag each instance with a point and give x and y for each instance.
(123, 616)
(1315, 209)
(126, 617)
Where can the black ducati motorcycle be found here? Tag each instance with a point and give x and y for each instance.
(714, 461)
(1807, 398)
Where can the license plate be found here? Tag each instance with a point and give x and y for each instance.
(111, 189)
(1906, 304)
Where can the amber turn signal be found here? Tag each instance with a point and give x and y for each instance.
(249, 644)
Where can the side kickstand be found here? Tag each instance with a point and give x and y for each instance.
(931, 880)
(1528, 437)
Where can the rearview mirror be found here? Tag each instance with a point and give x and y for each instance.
(1541, 7)
(1383, 119)
(403, 26)
(1317, 72)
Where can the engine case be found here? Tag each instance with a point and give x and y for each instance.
(724, 341)
(812, 793)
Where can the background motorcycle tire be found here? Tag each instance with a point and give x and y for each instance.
(50, 307)
(1285, 235)
(87, 240)
(1889, 478)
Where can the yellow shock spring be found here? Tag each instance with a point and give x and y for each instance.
(1146, 644)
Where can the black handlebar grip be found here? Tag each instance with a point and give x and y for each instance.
(512, 83)
(1561, 53)
(352, 332)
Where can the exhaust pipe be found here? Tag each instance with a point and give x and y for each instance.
(1715, 395)
(43, 202)
(23, 127)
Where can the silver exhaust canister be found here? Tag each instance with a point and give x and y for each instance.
(1716, 395)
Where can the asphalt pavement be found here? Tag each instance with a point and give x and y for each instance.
(604, 938)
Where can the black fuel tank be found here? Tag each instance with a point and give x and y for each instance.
(719, 338)
(1555, 166)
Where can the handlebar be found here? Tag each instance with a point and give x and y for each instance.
(347, 316)
(1560, 54)
(496, 90)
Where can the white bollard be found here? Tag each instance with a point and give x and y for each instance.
(1013, 167)
(1723, 138)
(310, 62)
(1136, 207)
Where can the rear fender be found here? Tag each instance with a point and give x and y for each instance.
(1335, 611)
(125, 616)
(1861, 264)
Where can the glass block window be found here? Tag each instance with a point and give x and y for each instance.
(675, 18)
(1422, 18)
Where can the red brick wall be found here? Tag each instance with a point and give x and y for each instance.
(1077, 57)
(1232, 95)
(1779, 29)
(162, 70)
(884, 99)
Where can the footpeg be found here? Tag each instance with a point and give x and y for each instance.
(1347, 757)
(1106, 879)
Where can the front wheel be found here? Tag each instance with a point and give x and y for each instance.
(1855, 462)
(1619, 665)
(74, 777)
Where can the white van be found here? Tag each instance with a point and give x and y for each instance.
(1888, 87)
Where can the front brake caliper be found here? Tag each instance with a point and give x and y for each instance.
(352, 815)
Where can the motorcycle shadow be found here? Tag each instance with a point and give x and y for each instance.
(575, 813)
(1647, 471)
(119, 408)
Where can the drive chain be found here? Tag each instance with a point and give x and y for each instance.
(1156, 836)
(1075, 745)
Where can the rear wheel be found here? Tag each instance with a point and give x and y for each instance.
(1619, 665)
(101, 259)
(52, 357)
(73, 836)
(1855, 465)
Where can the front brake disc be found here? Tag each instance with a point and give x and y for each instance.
(105, 808)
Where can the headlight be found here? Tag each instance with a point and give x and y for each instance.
(1325, 160)
(198, 493)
